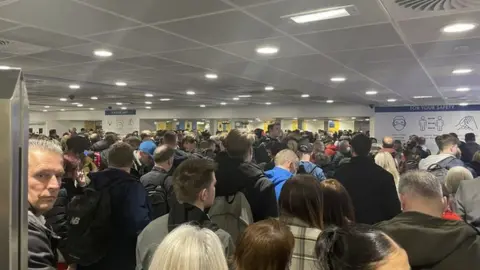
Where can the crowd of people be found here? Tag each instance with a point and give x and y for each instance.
(260, 200)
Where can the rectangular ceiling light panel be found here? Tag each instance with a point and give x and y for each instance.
(322, 14)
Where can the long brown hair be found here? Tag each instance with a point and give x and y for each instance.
(338, 207)
(265, 245)
(302, 198)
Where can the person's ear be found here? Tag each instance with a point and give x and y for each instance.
(445, 203)
(203, 196)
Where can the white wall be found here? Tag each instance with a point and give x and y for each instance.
(314, 126)
(347, 125)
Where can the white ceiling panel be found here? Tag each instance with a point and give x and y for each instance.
(450, 47)
(40, 37)
(205, 57)
(87, 49)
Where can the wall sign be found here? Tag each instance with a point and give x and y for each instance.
(120, 112)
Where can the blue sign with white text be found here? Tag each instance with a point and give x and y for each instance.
(120, 112)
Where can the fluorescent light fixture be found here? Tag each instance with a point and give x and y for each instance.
(120, 83)
(330, 101)
(305, 95)
(338, 79)
(74, 86)
(46, 107)
(63, 99)
(314, 120)
(175, 119)
(463, 104)
(244, 96)
(463, 89)
(268, 103)
(45, 110)
(267, 50)
(462, 71)
(250, 121)
(211, 76)
(148, 107)
(422, 97)
(79, 105)
(62, 110)
(269, 88)
(102, 53)
(459, 27)
(202, 106)
(91, 109)
(165, 99)
(353, 118)
(320, 15)
(123, 108)
(148, 102)
(190, 93)
(148, 95)
(368, 119)
(371, 93)
(223, 103)
(391, 100)
(119, 103)
(75, 103)
(236, 98)
(93, 98)
(5, 68)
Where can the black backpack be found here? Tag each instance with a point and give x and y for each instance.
(90, 225)
(158, 197)
(302, 170)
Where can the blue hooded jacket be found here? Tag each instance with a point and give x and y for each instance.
(313, 169)
(278, 176)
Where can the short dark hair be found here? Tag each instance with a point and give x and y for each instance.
(361, 145)
(120, 155)
(77, 144)
(111, 138)
(191, 177)
(237, 143)
(446, 140)
(271, 126)
(163, 153)
(170, 138)
(302, 198)
(338, 206)
(421, 140)
(189, 139)
(133, 141)
(470, 137)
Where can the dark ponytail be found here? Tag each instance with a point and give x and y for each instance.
(354, 247)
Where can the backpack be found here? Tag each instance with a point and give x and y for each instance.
(302, 170)
(158, 198)
(232, 214)
(89, 225)
(440, 169)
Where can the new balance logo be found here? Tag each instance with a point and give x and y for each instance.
(75, 221)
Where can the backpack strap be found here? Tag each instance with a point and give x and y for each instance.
(313, 170)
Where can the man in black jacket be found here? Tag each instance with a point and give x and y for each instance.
(236, 173)
(371, 188)
(45, 171)
(469, 148)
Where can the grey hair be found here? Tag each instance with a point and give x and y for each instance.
(45, 145)
(420, 183)
(343, 146)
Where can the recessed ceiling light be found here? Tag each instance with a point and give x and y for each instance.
(190, 93)
(123, 108)
(103, 53)
(462, 71)
(314, 120)
(250, 121)
(45, 110)
(63, 99)
(211, 76)
(320, 15)
(269, 88)
(330, 101)
(62, 110)
(46, 107)
(91, 109)
(79, 105)
(368, 119)
(353, 118)
(93, 98)
(120, 83)
(391, 100)
(267, 50)
(305, 95)
(5, 68)
(420, 97)
(459, 27)
(148, 107)
(165, 99)
(175, 119)
(338, 79)
(202, 106)
(244, 96)
(223, 103)
(148, 102)
(236, 98)
(148, 95)
(463, 104)
(119, 103)
(268, 103)
(463, 89)
(74, 86)
(371, 92)
(75, 103)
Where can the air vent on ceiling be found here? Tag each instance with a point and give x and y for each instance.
(22, 48)
(438, 5)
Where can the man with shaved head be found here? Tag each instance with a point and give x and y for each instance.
(159, 175)
(388, 146)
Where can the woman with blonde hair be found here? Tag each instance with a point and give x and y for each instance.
(386, 161)
(189, 247)
(454, 176)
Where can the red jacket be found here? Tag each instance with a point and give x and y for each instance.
(330, 150)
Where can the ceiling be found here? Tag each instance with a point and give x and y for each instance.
(164, 48)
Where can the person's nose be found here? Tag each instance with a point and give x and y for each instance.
(54, 183)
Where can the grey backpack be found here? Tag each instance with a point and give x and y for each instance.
(232, 214)
(440, 169)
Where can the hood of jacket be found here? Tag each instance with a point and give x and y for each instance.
(182, 213)
(234, 174)
(278, 175)
(100, 146)
(103, 178)
(428, 240)
(433, 159)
